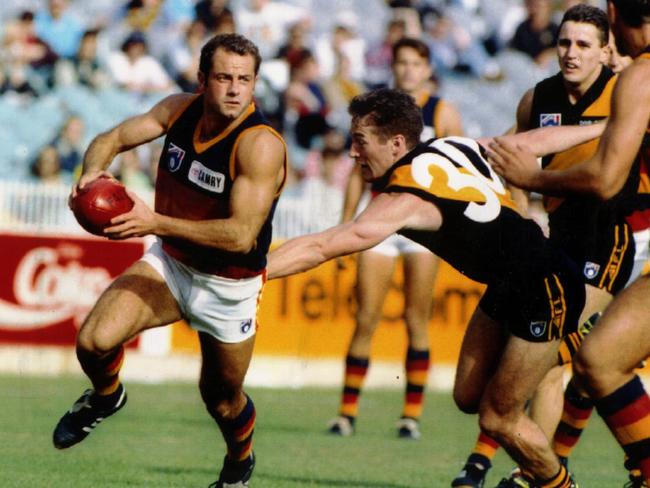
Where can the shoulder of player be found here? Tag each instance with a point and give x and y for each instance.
(635, 78)
(524, 110)
(168, 109)
(260, 143)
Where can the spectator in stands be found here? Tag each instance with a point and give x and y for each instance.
(266, 22)
(453, 48)
(339, 91)
(59, 28)
(69, 144)
(379, 57)
(131, 173)
(330, 164)
(296, 46)
(84, 68)
(211, 12)
(46, 168)
(342, 39)
(30, 60)
(305, 102)
(537, 35)
(183, 56)
(133, 69)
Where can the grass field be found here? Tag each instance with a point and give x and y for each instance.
(163, 438)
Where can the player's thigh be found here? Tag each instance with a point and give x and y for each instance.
(521, 369)
(481, 348)
(374, 278)
(137, 300)
(621, 339)
(224, 365)
(419, 277)
(596, 300)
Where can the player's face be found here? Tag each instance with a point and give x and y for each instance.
(370, 151)
(410, 70)
(580, 53)
(230, 84)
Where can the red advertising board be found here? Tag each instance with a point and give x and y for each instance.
(49, 283)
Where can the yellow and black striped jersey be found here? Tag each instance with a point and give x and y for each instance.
(482, 234)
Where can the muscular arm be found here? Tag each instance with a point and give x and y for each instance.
(131, 133)
(385, 215)
(259, 172)
(605, 173)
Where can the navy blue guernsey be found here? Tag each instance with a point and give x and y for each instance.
(195, 181)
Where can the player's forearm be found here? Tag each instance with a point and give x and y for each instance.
(99, 154)
(223, 234)
(294, 256)
(578, 179)
(551, 140)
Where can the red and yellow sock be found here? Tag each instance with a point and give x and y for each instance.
(238, 432)
(417, 374)
(627, 414)
(575, 415)
(355, 373)
(560, 480)
(486, 447)
(104, 373)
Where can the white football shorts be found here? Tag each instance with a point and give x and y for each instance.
(222, 307)
(397, 245)
(642, 254)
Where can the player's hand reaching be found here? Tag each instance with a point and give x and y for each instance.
(515, 163)
(138, 222)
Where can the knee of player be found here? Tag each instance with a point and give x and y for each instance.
(466, 403)
(220, 400)
(494, 424)
(96, 341)
(589, 370)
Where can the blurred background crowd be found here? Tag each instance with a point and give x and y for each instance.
(71, 68)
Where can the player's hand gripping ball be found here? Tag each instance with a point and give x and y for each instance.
(98, 202)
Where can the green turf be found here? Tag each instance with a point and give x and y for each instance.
(163, 438)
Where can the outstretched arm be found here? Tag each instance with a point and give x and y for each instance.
(605, 173)
(385, 215)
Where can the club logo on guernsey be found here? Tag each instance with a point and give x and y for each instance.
(176, 155)
(206, 178)
(549, 120)
(538, 328)
(591, 270)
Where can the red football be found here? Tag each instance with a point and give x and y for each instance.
(98, 202)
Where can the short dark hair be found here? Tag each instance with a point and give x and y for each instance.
(419, 46)
(588, 14)
(391, 112)
(232, 43)
(634, 12)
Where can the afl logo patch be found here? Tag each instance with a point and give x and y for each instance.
(538, 328)
(591, 270)
(245, 326)
(549, 120)
(176, 155)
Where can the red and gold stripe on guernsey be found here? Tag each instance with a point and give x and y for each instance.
(621, 243)
(450, 181)
(557, 306)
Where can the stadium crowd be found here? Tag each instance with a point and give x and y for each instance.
(69, 69)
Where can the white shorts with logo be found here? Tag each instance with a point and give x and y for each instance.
(396, 245)
(642, 255)
(222, 307)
